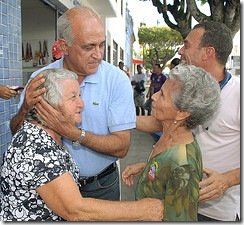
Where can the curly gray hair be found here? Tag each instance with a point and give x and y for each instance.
(198, 93)
(54, 79)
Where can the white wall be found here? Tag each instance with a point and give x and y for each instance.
(115, 27)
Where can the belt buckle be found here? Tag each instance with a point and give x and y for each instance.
(83, 181)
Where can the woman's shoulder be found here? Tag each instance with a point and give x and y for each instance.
(180, 153)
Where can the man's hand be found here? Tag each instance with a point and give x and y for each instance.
(57, 121)
(213, 186)
(131, 171)
(32, 96)
(33, 92)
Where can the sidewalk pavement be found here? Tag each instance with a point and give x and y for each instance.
(141, 146)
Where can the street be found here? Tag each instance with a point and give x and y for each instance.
(141, 145)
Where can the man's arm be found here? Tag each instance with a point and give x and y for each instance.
(148, 124)
(32, 96)
(116, 144)
(148, 95)
(217, 183)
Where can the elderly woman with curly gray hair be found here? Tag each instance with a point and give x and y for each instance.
(188, 98)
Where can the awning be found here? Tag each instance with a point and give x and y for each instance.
(137, 61)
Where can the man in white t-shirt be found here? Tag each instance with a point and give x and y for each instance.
(138, 82)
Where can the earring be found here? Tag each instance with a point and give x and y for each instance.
(175, 122)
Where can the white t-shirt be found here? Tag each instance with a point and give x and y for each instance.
(220, 145)
(139, 77)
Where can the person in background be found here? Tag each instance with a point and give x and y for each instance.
(39, 179)
(157, 80)
(122, 67)
(6, 92)
(209, 45)
(138, 82)
(174, 62)
(109, 112)
(188, 98)
(127, 69)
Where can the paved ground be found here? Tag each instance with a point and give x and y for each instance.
(141, 146)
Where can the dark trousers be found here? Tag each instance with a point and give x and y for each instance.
(138, 111)
(205, 218)
(104, 188)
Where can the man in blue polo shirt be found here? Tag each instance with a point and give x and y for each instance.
(109, 113)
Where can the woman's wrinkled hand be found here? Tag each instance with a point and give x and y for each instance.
(131, 171)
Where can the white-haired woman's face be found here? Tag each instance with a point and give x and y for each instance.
(163, 107)
(71, 104)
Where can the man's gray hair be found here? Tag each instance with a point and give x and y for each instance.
(54, 81)
(198, 93)
(64, 23)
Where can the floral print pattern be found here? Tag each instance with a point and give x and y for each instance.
(32, 160)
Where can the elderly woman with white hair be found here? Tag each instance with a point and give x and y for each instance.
(39, 180)
(188, 98)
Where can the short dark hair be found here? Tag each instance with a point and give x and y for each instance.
(157, 64)
(218, 36)
(175, 61)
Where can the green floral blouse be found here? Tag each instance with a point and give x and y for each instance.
(173, 176)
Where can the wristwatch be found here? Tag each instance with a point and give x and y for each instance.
(79, 141)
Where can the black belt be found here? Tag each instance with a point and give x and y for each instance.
(86, 180)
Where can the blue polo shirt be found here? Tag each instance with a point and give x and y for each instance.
(108, 107)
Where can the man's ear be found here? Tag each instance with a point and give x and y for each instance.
(63, 45)
(209, 53)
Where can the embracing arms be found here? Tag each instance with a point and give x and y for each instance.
(63, 197)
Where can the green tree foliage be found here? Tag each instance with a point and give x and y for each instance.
(178, 14)
(159, 44)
